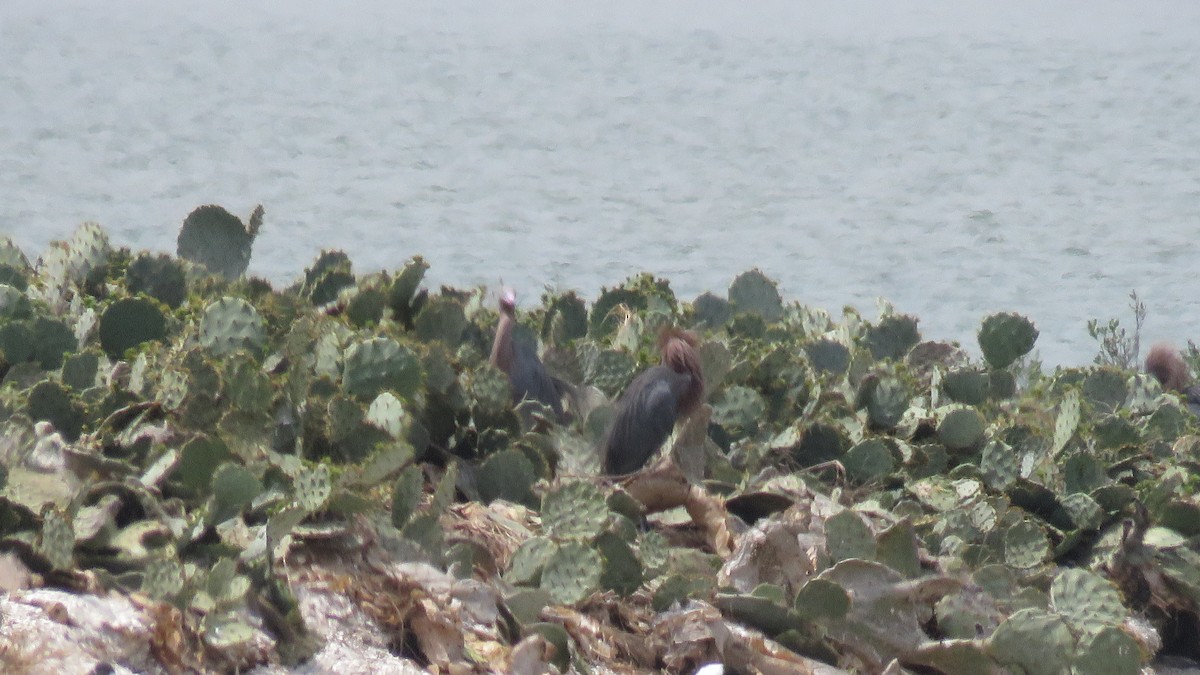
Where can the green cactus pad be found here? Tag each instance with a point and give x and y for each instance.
(1067, 422)
(507, 475)
(739, 410)
(441, 319)
(312, 488)
(386, 412)
(1037, 641)
(892, 337)
(526, 564)
(490, 390)
(753, 292)
(961, 429)
(1004, 338)
(575, 510)
(828, 356)
(566, 319)
(14, 304)
(233, 488)
(821, 599)
(887, 402)
(1025, 545)
(966, 385)
(1106, 389)
(330, 273)
(1112, 432)
(897, 548)
(605, 315)
(49, 401)
(847, 536)
(406, 495)
(1111, 651)
(158, 276)
(79, 371)
(163, 578)
(609, 370)
(16, 342)
(198, 459)
(622, 571)
(572, 572)
(868, 461)
(52, 339)
(218, 240)
(57, 540)
(1084, 511)
(1087, 601)
(999, 465)
(230, 324)
(380, 364)
(129, 322)
(712, 311)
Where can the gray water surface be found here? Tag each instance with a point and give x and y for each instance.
(957, 160)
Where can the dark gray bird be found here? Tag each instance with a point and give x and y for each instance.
(651, 405)
(1169, 368)
(515, 353)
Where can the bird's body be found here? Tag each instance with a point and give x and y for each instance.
(516, 354)
(1169, 368)
(651, 405)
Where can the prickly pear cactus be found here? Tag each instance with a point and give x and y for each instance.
(868, 461)
(490, 390)
(380, 364)
(755, 293)
(609, 370)
(49, 401)
(327, 277)
(442, 319)
(158, 276)
(967, 386)
(129, 322)
(508, 475)
(1067, 422)
(828, 356)
(575, 510)
(1006, 337)
(1035, 640)
(711, 311)
(230, 324)
(406, 494)
(961, 428)
(739, 409)
(566, 319)
(312, 488)
(611, 307)
(572, 572)
(847, 536)
(1087, 601)
(892, 337)
(218, 240)
(887, 400)
(1106, 389)
(57, 541)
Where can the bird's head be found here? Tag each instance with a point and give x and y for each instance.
(1168, 367)
(508, 301)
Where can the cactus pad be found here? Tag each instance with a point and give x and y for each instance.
(230, 324)
(217, 240)
(574, 510)
(892, 337)
(572, 572)
(380, 364)
(127, 323)
(1004, 338)
(753, 292)
(1088, 601)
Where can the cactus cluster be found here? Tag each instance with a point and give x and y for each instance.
(180, 435)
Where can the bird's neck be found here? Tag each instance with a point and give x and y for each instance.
(502, 346)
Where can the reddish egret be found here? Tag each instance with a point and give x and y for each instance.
(1169, 368)
(516, 355)
(652, 403)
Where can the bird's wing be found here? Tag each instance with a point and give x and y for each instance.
(530, 380)
(1191, 396)
(644, 420)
